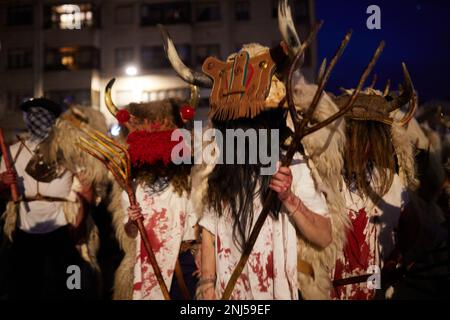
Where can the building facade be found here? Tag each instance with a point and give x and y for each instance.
(67, 51)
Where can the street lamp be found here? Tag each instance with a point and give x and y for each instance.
(131, 70)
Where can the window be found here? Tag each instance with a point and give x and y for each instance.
(155, 58)
(180, 93)
(124, 56)
(20, 15)
(207, 11)
(69, 16)
(124, 15)
(83, 97)
(20, 58)
(204, 51)
(15, 98)
(72, 58)
(165, 13)
(242, 10)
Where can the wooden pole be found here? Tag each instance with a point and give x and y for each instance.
(8, 165)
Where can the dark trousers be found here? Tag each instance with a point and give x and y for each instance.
(188, 267)
(40, 266)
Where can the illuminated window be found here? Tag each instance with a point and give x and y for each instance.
(70, 16)
(180, 93)
(72, 58)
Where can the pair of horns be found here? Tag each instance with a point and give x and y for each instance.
(288, 33)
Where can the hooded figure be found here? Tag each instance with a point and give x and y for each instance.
(378, 171)
(43, 237)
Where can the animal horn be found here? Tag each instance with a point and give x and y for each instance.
(407, 93)
(386, 89)
(185, 73)
(108, 99)
(195, 96)
(287, 28)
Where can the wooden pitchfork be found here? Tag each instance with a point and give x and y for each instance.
(301, 130)
(117, 160)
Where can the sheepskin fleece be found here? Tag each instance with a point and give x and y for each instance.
(324, 150)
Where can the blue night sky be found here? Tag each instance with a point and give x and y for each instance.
(416, 32)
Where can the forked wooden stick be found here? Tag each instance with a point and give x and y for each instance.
(117, 160)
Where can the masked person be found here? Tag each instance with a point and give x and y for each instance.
(162, 191)
(379, 170)
(43, 242)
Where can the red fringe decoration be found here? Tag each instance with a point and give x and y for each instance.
(150, 147)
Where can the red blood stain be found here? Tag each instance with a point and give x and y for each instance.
(269, 265)
(356, 259)
(182, 218)
(221, 249)
(245, 281)
(137, 286)
(222, 284)
(151, 282)
(258, 269)
(156, 227)
(356, 251)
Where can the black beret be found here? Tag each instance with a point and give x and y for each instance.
(44, 103)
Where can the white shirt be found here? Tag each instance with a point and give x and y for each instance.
(169, 219)
(271, 270)
(372, 238)
(38, 216)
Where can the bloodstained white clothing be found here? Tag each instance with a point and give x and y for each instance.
(169, 219)
(39, 217)
(271, 270)
(371, 240)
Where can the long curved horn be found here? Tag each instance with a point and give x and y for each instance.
(386, 89)
(185, 73)
(195, 96)
(108, 99)
(287, 28)
(407, 94)
(410, 114)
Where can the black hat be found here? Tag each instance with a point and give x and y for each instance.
(44, 103)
